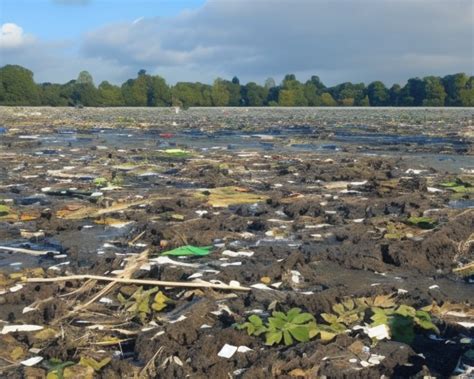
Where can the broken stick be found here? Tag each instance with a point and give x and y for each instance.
(148, 282)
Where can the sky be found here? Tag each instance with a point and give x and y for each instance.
(199, 40)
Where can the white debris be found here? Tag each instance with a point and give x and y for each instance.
(244, 349)
(180, 318)
(379, 332)
(231, 253)
(167, 261)
(16, 288)
(227, 351)
(260, 286)
(231, 264)
(31, 361)
(295, 276)
(20, 328)
(28, 309)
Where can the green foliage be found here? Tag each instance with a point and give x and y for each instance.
(18, 88)
(254, 326)
(287, 328)
(56, 368)
(4, 210)
(459, 186)
(142, 302)
(219, 93)
(100, 182)
(422, 222)
(402, 321)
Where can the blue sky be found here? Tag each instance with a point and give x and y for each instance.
(51, 19)
(199, 40)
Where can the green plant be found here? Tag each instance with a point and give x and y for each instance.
(254, 326)
(281, 327)
(141, 302)
(402, 321)
(422, 222)
(100, 182)
(56, 368)
(293, 325)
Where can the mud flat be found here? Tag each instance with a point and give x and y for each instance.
(163, 244)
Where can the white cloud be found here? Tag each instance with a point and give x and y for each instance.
(12, 36)
(358, 40)
(339, 40)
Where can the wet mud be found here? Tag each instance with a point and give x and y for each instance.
(304, 208)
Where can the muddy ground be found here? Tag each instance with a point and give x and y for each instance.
(302, 208)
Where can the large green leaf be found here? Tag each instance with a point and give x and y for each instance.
(273, 337)
(401, 329)
(287, 338)
(302, 318)
(292, 313)
(300, 333)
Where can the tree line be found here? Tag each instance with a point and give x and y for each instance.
(17, 87)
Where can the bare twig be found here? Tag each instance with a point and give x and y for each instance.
(138, 281)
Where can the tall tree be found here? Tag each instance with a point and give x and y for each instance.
(378, 94)
(18, 86)
(413, 93)
(291, 92)
(110, 95)
(254, 95)
(454, 84)
(434, 93)
(394, 94)
(219, 93)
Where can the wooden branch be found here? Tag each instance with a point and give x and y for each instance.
(148, 282)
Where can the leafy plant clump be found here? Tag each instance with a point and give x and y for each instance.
(402, 321)
(142, 303)
(422, 222)
(281, 327)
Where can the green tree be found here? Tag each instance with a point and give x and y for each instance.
(291, 93)
(378, 94)
(327, 100)
(348, 94)
(234, 90)
(254, 95)
(110, 95)
(434, 93)
(454, 85)
(18, 86)
(85, 77)
(394, 94)
(466, 95)
(220, 94)
(134, 92)
(51, 94)
(413, 93)
(158, 92)
(84, 91)
(313, 90)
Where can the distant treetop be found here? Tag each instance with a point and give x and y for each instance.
(17, 87)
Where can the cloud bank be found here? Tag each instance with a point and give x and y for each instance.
(358, 40)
